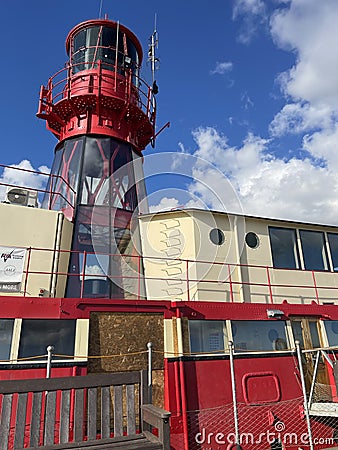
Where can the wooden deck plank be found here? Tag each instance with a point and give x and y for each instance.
(63, 383)
(136, 442)
(78, 414)
(20, 424)
(64, 416)
(105, 412)
(50, 411)
(118, 410)
(131, 418)
(35, 426)
(92, 414)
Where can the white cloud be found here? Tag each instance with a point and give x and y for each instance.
(165, 204)
(253, 14)
(93, 271)
(23, 174)
(309, 28)
(222, 67)
(296, 118)
(241, 7)
(265, 185)
(246, 101)
(324, 145)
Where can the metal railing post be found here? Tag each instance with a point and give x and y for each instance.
(188, 284)
(138, 277)
(314, 376)
(230, 284)
(269, 284)
(315, 285)
(83, 273)
(150, 372)
(306, 408)
(233, 387)
(50, 350)
(51, 187)
(27, 271)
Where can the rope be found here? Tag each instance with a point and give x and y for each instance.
(30, 358)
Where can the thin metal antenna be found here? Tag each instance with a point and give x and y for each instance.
(100, 10)
(153, 45)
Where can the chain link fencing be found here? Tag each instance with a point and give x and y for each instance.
(272, 426)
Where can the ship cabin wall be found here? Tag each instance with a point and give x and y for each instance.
(264, 362)
(42, 239)
(168, 244)
(200, 255)
(28, 329)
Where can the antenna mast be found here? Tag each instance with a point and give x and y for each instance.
(153, 45)
(100, 10)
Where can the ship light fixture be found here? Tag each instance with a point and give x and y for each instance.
(274, 313)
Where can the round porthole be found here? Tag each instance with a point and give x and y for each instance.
(252, 240)
(217, 236)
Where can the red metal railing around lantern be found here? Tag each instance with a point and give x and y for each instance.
(102, 79)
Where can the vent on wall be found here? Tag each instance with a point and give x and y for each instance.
(23, 197)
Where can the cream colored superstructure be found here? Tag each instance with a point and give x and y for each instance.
(46, 236)
(182, 263)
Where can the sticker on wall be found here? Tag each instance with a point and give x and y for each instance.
(11, 268)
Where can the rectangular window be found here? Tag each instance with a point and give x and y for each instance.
(333, 244)
(6, 333)
(259, 335)
(284, 248)
(314, 253)
(37, 335)
(331, 328)
(207, 336)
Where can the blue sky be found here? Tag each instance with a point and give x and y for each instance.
(250, 86)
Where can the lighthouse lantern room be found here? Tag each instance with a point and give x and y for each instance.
(103, 115)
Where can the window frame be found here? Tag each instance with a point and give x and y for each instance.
(272, 324)
(324, 251)
(299, 253)
(225, 337)
(296, 252)
(81, 344)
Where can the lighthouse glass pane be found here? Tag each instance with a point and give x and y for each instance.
(94, 279)
(207, 336)
(79, 51)
(283, 244)
(108, 175)
(63, 182)
(95, 172)
(6, 332)
(37, 335)
(142, 199)
(99, 44)
(108, 50)
(333, 244)
(92, 43)
(313, 247)
(259, 335)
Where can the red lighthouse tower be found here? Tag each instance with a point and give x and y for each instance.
(103, 115)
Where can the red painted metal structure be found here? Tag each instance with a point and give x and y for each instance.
(99, 92)
(103, 115)
(194, 385)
